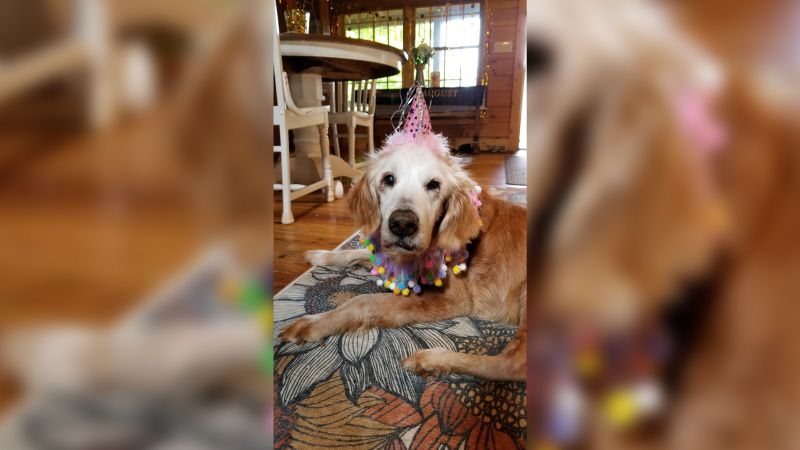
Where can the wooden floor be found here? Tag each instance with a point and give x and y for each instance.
(90, 223)
(320, 225)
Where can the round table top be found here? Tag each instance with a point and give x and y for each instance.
(339, 59)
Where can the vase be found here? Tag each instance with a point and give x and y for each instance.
(420, 74)
(297, 21)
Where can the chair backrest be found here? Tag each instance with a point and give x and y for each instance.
(351, 96)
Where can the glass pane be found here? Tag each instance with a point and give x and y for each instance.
(455, 33)
(385, 27)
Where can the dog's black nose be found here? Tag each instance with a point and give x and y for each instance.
(403, 223)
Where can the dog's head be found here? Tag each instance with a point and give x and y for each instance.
(632, 215)
(414, 197)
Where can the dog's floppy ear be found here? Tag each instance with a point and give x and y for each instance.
(363, 202)
(461, 222)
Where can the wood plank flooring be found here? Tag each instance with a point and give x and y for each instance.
(90, 223)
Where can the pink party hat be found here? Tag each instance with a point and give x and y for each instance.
(416, 126)
(417, 120)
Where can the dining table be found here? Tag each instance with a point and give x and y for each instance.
(312, 59)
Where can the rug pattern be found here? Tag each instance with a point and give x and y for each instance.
(351, 392)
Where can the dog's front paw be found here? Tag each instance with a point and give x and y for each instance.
(432, 361)
(304, 329)
(317, 257)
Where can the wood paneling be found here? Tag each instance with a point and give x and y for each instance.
(503, 66)
(501, 5)
(519, 79)
(499, 99)
(500, 127)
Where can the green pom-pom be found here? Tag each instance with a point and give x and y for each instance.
(252, 296)
(372, 259)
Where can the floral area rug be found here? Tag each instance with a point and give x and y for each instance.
(350, 391)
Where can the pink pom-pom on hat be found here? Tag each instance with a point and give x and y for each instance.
(416, 128)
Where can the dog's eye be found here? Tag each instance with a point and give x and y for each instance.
(432, 185)
(388, 180)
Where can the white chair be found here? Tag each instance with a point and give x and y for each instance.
(86, 49)
(355, 109)
(288, 116)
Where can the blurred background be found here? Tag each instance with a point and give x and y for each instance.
(662, 151)
(133, 195)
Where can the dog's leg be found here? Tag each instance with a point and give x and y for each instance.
(371, 311)
(338, 258)
(509, 365)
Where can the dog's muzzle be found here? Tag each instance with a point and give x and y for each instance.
(403, 223)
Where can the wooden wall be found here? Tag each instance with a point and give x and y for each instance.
(506, 25)
(505, 22)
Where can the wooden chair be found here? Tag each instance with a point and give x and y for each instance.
(355, 109)
(288, 116)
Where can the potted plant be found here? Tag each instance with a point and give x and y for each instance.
(421, 54)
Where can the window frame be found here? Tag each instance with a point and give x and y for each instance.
(409, 30)
(477, 46)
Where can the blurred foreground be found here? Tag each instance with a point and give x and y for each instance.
(664, 177)
(135, 242)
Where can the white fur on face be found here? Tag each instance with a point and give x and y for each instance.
(412, 168)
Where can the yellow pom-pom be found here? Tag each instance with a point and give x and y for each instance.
(620, 408)
(406, 292)
(381, 270)
(371, 247)
(438, 282)
(448, 258)
(266, 318)
(387, 284)
(396, 291)
(456, 270)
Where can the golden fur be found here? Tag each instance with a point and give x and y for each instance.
(493, 288)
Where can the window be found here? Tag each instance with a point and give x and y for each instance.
(454, 32)
(385, 27)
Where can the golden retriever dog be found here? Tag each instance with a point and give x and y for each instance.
(414, 199)
(647, 199)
